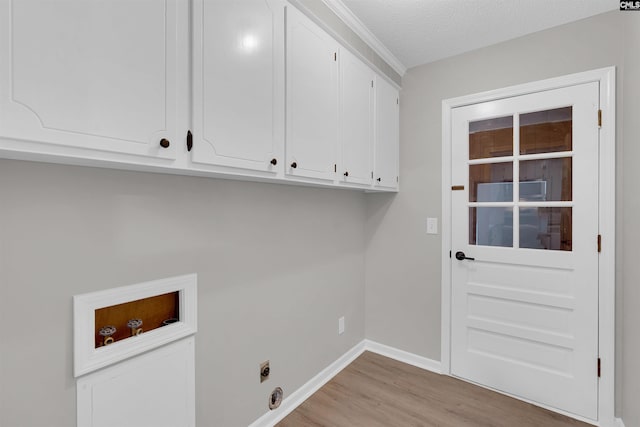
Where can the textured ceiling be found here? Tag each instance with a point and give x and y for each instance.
(421, 31)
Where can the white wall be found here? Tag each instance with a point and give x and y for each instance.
(403, 263)
(277, 266)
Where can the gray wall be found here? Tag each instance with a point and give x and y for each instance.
(628, 226)
(403, 269)
(277, 266)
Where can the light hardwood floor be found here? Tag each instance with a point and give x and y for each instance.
(377, 391)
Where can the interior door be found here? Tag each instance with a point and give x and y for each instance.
(524, 246)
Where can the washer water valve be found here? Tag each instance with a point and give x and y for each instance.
(106, 332)
(134, 325)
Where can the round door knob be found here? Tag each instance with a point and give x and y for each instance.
(379, 179)
(346, 173)
(164, 143)
(274, 162)
(294, 165)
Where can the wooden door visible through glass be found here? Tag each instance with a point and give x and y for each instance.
(542, 159)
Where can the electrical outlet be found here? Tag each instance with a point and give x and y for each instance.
(264, 371)
(341, 325)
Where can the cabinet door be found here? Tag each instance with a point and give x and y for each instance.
(356, 120)
(98, 75)
(312, 99)
(387, 135)
(238, 85)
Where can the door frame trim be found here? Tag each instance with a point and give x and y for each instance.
(606, 220)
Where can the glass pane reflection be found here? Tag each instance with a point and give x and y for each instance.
(545, 228)
(491, 226)
(491, 138)
(546, 131)
(548, 179)
(491, 182)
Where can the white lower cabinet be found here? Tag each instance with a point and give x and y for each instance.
(238, 84)
(85, 78)
(356, 121)
(385, 171)
(247, 88)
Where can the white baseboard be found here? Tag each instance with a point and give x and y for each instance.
(403, 356)
(296, 398)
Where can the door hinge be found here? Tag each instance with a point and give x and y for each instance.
(397, 179)
(371, 174)
(335, 167)
(335, 56)
(371, 83)
(189, 140)
(599, 118)
(599, 243)
(599, 367)
(449, 254)
(397, 101)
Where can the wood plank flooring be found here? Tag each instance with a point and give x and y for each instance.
(375, 391)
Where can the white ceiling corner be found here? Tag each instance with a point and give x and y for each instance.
(407, 33)
(361, 30)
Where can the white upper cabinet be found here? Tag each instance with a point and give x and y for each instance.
(312, 99)
(97, 75)
(387, 135)
(356, 120)
(238, 84)
(263, 91)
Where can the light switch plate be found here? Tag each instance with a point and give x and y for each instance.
(432, 225)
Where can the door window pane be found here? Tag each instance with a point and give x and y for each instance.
(492, 182)
(548, 179)
(545, 228)
(546, 131)
(491, 138)
(491, 226)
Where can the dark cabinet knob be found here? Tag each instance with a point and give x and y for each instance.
(294, 165)
(346, 173)
(164, 143)
(274, 162)
(379, 179)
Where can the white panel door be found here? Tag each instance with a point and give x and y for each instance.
(356, 120)
(238, 84)
(91, 74)
(155, 389)
(312, 99)
(525, 299)
(387, 135)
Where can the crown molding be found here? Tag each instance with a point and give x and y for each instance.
(365, 34)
